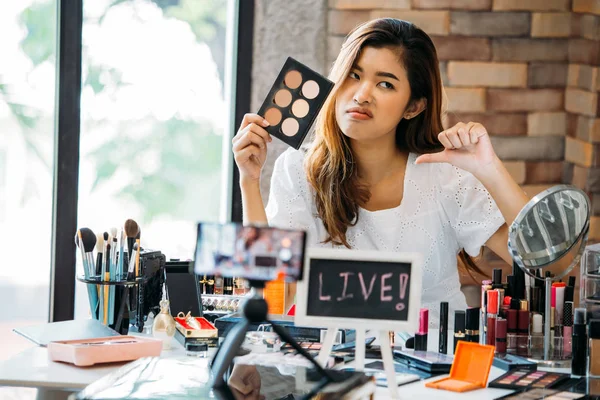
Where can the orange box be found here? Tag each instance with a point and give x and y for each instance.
(470, 368)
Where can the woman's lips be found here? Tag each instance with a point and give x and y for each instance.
(359, 116)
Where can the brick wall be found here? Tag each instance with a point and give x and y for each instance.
(527, 69)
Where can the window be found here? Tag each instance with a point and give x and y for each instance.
(153, 119)
(27, 89)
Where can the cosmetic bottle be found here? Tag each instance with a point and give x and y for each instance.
(163, 326)
(537, 335)
(594, 348)
(228, 286)
(501, 326)
(459, 327)
(511, 331)
(523, 332)
(492, 315)
(579, 343)
(472, 325)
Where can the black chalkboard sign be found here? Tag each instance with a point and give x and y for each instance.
(350, 285)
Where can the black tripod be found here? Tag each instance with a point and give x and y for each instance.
(255, 312)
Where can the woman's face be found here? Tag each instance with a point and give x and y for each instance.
(374, 96)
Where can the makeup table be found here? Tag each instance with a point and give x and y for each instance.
(56, 381)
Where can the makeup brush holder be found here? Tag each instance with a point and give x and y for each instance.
(589, 289)
(121, 305)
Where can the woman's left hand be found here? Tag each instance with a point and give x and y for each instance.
(466, 146)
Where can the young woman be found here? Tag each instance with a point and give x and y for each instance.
(382, 173)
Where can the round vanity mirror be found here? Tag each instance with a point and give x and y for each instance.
(551, 229)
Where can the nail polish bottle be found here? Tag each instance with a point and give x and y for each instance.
(511, 334)
(537, 335)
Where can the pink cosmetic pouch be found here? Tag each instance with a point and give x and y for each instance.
(110, 349)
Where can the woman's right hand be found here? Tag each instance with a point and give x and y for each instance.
(250, 147)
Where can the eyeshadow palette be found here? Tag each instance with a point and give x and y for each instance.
(524, 379)
(294, 101)
(545, 394)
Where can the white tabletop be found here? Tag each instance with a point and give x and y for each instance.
(32, 368)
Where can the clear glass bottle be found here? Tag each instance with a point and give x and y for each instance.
(164, 325)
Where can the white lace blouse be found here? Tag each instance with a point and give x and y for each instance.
(443, 210)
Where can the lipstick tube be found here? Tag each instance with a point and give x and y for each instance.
(459, 327)
(472, 325)
(492, 315)
(501, 326)
(421, 335)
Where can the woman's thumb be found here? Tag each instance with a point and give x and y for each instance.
(440, 157)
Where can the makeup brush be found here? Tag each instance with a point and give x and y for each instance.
(112, 274)
(106, 287)
(131, 231)
(86, 240)
(120, 268)
(99, 251)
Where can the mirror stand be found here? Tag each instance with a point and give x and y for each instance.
(549, 228)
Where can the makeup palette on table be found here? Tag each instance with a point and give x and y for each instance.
(544, 394)
(525, 379)
(294, 102)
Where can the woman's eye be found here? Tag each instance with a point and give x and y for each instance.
(353, 75)
(387, 85)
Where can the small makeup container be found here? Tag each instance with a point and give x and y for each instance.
(196, 350)
(472, 325)
(511, 331)
(459, 327)
(294, 101)
(470, 368)
(594, 349)
(579, 343)
(501, 327)
(421, 335)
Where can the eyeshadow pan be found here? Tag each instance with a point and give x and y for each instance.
(283, 98)
(290, 126)
(293, 79)
(310, 89)
(300, 108)
(273, 115)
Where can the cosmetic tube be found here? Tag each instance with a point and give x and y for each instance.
(579, 343)
(443, 336)
(511, 331)
(519, 277)
(552, 322)
(421, 335)
(594, 348)
(472, 325)
(486, 285)
(459, 327)
(492, 315)
(567, 327)
(501, 326)
(560, 303)
(496, 278)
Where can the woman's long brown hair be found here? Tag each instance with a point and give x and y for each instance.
(330, 165)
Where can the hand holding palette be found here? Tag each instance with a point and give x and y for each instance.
(294, 101)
